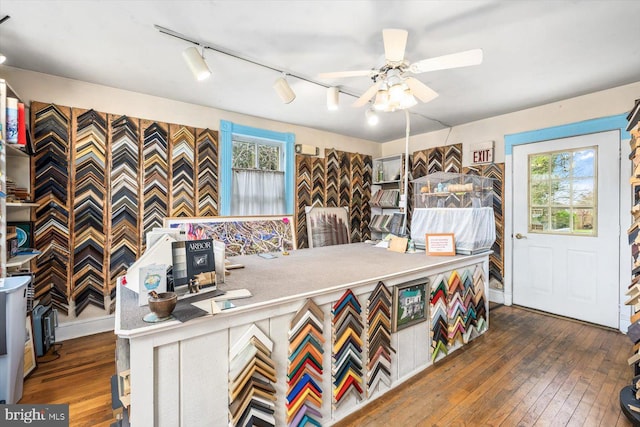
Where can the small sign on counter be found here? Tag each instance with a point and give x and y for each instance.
(440, 244)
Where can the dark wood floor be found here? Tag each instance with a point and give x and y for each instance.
(529, 369)
(80, 377)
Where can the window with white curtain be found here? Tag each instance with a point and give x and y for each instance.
(257, 171)
(257, 177)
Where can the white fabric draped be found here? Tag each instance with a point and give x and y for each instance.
(257, 192)
(474, 228)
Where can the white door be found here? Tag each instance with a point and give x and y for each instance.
(566, 226)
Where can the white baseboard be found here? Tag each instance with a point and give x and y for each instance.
(81, 328)
(496, 296)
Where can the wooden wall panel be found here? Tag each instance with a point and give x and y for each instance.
(453, 158)
(355, 196)
(419, 163)
(318, 175)
(367, 172)
(182, 145)
(344, 179)
(303, 198)
(155, 176)
(89, 159)
(125, 194)
(435, 161)
(207, 172)
(496, 260)
(332, 178)
(51, 131)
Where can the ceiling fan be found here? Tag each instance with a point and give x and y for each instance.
(394, 88)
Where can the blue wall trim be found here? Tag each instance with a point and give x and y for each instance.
(602, 124)
(227, 130)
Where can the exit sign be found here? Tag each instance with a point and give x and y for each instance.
(482, 152)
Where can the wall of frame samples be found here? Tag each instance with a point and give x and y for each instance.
(365, 354)
(103, 180)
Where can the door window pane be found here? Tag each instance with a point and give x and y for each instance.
(563, 192)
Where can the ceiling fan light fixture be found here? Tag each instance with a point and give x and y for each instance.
(396, 94)
(408, 100)
(2, 58)
(196, 63)
(382, 100)
(372, 117)
(283, 90)
(333, 98)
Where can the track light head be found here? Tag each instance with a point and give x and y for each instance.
(196, 63)
(372, 117)
(333, 98)
(283, 90)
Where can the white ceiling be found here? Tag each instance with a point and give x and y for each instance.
(535, 52)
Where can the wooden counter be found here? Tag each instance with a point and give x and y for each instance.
(180, 371)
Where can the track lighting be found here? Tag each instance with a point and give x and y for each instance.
(283, 90)
(372, 117)
(196, 63)
(333, 98)
(2, 58)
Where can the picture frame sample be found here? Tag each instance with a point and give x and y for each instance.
(24, 229)
(242, 235)
(440, 244)
(410, 304)
(327, 226)
(29, 348)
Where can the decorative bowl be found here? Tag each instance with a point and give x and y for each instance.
(163, 304)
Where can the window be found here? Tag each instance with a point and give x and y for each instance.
(256, 171)
(562, 192)
(253, 153)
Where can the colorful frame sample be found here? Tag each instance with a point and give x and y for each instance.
(410, 304)
(241, 235)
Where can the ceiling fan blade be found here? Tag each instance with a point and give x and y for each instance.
(341, 74)
(367, 95)
(420, 90)
(395, 42)
(454, 60)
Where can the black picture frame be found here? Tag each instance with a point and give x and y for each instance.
(25, 238)
(418, 308)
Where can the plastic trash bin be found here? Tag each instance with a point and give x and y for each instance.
(13, 310)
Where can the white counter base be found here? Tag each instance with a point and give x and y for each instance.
(179, 371)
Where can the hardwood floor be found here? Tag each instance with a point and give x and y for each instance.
(80, 377)
(529, 369)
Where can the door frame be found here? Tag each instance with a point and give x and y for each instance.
(616, 122)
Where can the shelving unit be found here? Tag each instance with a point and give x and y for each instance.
(386, 195)
(16, 206)
(630, 395)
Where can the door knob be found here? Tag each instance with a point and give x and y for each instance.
(520, 236)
